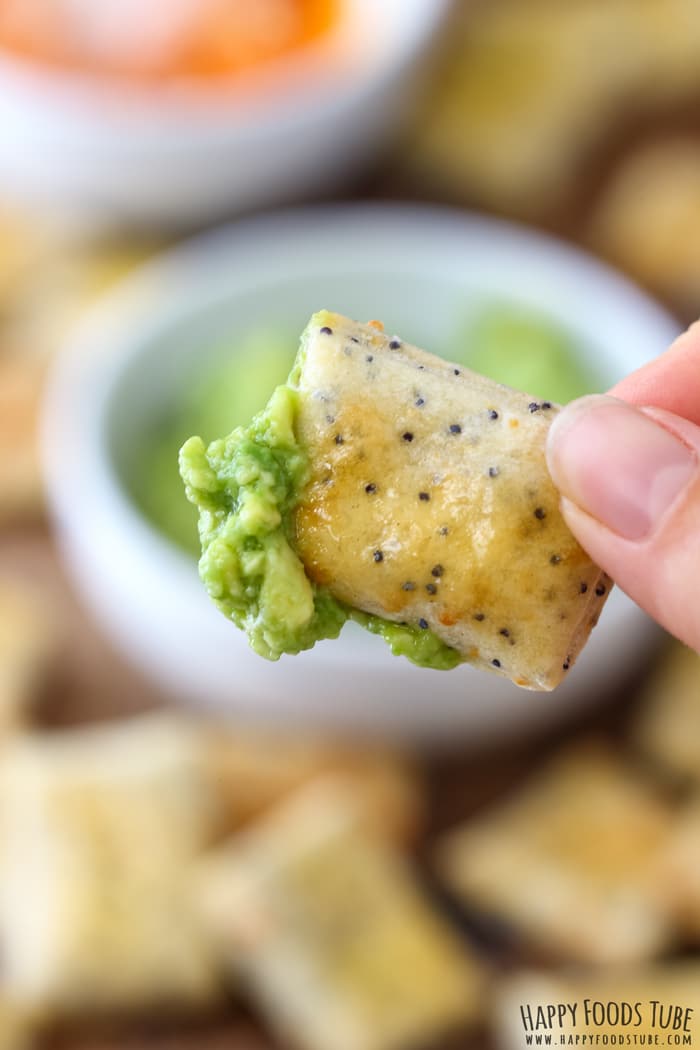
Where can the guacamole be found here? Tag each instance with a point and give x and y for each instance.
(245, 487)
(224, 391)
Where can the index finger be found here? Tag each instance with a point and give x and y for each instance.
(671, 382)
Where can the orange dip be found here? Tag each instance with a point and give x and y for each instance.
(156, 39)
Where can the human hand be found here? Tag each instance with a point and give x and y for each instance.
(628, 468)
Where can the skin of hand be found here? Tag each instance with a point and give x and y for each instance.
(627, 466)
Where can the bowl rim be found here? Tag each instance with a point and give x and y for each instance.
(103, 346)
(157, 114)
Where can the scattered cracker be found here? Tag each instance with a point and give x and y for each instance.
(15, 1029)
(99, 827)
(668, 726)
(569, 860)
(648, 219)
(21, 486)
(27, 642)
(252, 770)
(329, 929)
(681, 870)
(516, 109)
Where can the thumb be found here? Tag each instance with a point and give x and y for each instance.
(630, 484)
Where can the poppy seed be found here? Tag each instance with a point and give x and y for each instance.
(493, 414)
(378, 556)
(600, 590)
(437, 571)
(423, 624)
(431, 588)
(369, 359)
(370, 488)
(407, 435)
(583, 588)
(424, 496)
(409, 585)
(455, 428)
(493, 472)
(339, 439)
(394, 344)
(326, 330)
(540, 514)
(496, 663)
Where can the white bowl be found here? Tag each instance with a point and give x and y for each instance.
(420, 270)
(174, 157)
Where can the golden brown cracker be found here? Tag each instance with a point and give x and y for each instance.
(252, 770)
(429, 503)
(647, 219)
(667, 726)
(570, 860)
(328, 928)
(98, 828)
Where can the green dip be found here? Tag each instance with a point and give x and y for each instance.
(527, 352)
(245, 487)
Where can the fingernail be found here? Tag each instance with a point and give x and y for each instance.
(617, 464)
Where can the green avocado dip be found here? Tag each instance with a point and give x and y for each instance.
(245, 487)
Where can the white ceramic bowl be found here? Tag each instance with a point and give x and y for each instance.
(421, 271)
(170, 157)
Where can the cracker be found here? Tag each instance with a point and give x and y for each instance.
(681, 870)
(667, 728)
(329, 929)
(647, 219)
(21, 485)
(570, 860)
(429, 502)
(516, 110)
(98, 830)
(650, 1003)
(15, 1029)
(252, 770)
(27, 642)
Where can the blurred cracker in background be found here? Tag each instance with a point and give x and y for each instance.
(647, 219)
(681, 871)
(49, 274)
(667, 727)
(533, 98)
(21, 487)
(519, 104)
(28, 643)
(676, 983)
(15, 1029)
(570, 860)
(328, 929)
(253, 770)
(97, 829)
